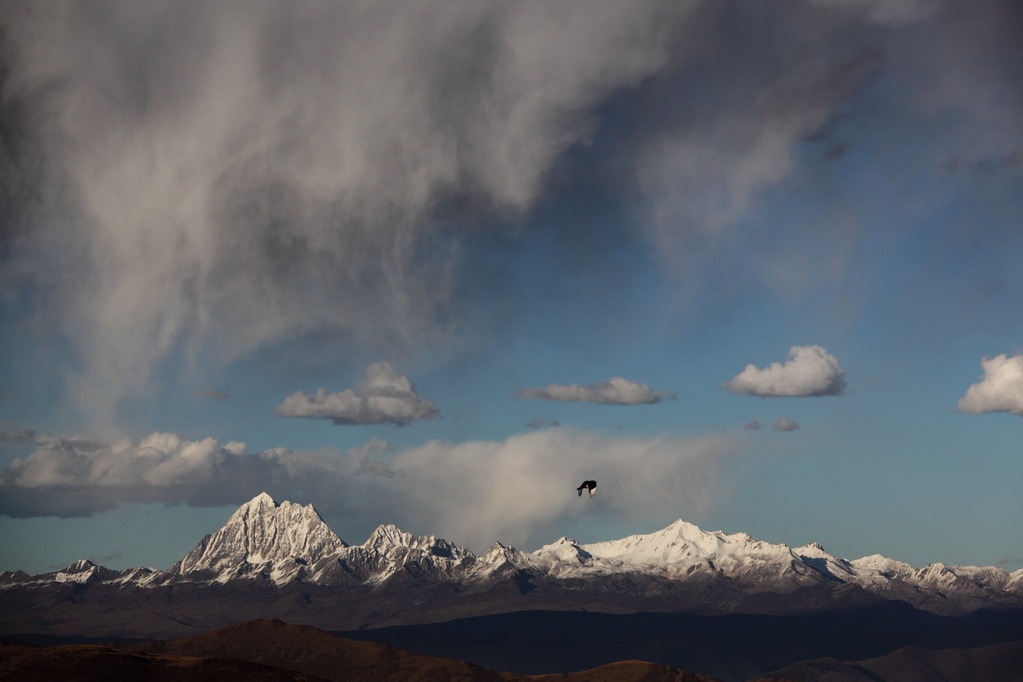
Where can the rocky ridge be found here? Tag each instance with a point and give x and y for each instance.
(286, 543)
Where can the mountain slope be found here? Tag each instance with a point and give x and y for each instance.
(263, 538)
(274, 651)
(680, 567)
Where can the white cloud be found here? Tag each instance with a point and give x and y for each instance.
(386, 397)
(519, 490)
(810, 371)
(785, 424)
(229, 180)
(614, 391)
(1000, 389)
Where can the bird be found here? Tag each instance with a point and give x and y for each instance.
(591, 486)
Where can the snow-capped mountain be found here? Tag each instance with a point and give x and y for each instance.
(263, 539)
(288, 544)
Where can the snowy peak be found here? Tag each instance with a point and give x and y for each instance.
(83, 571)
(389, 536)
(563, 550)
(682, 542)
(391, 552)
(266, 536)
(286, 542)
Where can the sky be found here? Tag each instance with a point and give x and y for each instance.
(758, 266)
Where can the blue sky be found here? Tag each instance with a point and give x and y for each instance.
(434, 264)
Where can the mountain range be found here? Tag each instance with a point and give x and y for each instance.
(683, 592)
(289, 544)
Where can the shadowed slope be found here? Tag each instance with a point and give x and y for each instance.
(998, 663)
(100, 662)
(314, 652)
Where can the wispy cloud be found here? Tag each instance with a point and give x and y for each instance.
(18, 434)
(999, 390)
(542, 423)
(386, 397)
(614, 391)
(236, 179)
(809, 371)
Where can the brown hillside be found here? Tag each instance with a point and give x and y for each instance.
(94, 662)
(272, 651)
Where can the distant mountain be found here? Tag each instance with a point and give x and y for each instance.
(282, 560)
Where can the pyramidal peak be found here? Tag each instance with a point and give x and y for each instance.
(286, 542)
(389, 535)
(264, 534)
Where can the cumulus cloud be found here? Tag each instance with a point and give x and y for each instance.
(225, 178)
(785, 424)
(614, 391)
(999, 390)
(386, 397)
(810, 371)
(437, 487)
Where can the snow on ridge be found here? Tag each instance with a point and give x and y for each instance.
(263, 536)
(289, 542)
(683, 543)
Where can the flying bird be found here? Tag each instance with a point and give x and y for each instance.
(591, 486)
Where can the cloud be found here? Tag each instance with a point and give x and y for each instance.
(887, 11)
(214, 395)
(753, 425)
(785, 424)
(810, 371)
(614, 391)
(109, 556)
(519, 490)
(386, 397)
(222, 180)
(542, 423)
(1000, 389)
(18, 434)
(704, 174)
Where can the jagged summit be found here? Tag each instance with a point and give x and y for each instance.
(289, 543)
(389, 535)
(263, 536)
